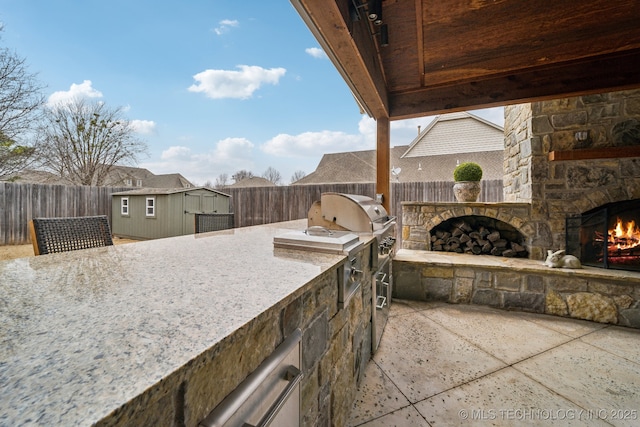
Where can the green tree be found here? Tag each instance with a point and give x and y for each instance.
(82, 141)
(13, 156)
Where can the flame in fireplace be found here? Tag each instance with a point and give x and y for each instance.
(624, 236)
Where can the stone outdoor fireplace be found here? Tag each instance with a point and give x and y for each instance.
(608, 236)
(562, 158)
(570, 166)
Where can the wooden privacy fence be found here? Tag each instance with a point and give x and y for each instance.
(19, 203)
(264, 205)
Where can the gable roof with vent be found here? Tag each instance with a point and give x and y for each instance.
(457, 133)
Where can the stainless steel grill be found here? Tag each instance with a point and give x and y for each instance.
(336, 224)
(362, 214)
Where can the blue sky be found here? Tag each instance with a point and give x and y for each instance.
(212, 86)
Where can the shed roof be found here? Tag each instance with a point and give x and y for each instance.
(161, 191)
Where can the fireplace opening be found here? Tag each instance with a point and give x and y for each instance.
(607, 236)
(478, 235)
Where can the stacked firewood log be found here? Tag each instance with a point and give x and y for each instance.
(462, 237)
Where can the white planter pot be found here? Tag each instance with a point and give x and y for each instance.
(466, 191)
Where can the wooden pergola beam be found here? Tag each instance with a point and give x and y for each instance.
(352, 48)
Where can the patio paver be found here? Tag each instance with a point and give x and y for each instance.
(460, 365)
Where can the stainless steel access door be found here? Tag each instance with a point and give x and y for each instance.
(381, 283)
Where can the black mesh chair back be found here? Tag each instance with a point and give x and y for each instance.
(50, 235)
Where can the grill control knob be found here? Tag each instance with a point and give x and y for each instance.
(355, 275)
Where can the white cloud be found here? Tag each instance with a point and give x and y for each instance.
(225, 26)
(232, 149)
(143, 126)
(227, 156)
(316, 52)
(218, 84)
(314, 144)
(76, 91)
(176, 153)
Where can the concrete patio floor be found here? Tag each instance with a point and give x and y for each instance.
(451, 365)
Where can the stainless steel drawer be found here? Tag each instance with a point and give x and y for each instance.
(268, 396)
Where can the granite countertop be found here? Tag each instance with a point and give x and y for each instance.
(84, 332)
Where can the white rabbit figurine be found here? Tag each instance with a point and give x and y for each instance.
(559, 260)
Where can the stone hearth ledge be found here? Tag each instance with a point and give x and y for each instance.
(85, 333)
(522, 265)
(590, 293)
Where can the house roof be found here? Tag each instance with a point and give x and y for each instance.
(164, 191)
(448, 140)
(171, 180)
(116, 178)
(254, 181)
(35, 176)
(167, 180)
(360, 166)
(457, 133)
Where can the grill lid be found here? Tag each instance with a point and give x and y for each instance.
(349, 211)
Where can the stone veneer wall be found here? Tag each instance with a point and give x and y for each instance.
(557, 189)
(336, 346)
(599, 295)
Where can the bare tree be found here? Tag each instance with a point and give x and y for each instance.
(221, 181)
(298, 175)
(20, 101)
(240, 175)
(272, 175)
(82, 141)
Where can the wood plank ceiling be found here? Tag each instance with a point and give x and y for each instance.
(455, 55)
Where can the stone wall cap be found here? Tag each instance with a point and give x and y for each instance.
(473, 204)
(522, 265)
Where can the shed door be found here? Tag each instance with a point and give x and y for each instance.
(192, 205)
(209, 203)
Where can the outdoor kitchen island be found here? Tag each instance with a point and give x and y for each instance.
(159, 332)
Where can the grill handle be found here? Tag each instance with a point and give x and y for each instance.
(381, 301)
(294, 376)
(318, 230)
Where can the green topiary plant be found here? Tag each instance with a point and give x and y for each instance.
(468, 171)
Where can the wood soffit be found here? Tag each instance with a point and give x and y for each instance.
(457, 55)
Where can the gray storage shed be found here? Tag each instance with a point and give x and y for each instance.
(154, 213)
